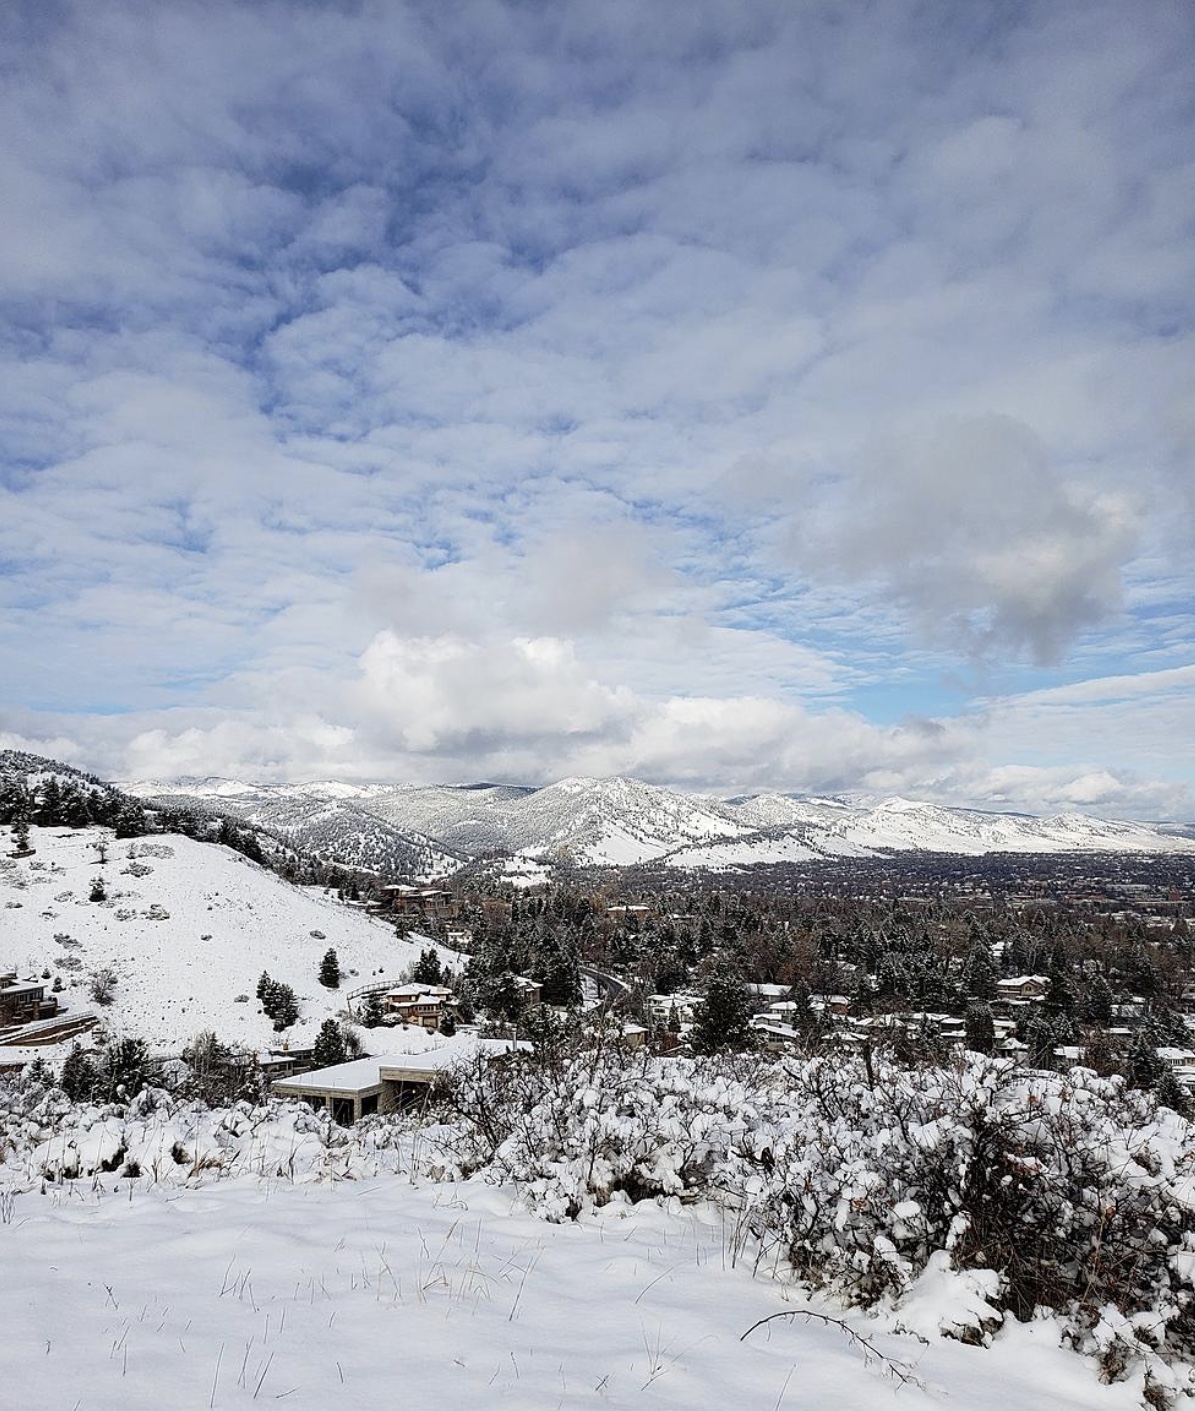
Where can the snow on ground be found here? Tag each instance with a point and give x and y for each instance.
(188, 927)
(382, 1293)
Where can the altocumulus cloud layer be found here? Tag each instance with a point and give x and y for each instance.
(732, 394)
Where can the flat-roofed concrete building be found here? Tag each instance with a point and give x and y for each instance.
(363, 1086)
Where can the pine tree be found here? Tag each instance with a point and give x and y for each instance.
(329, 1045)
(1143, 1068)
(502, 997)
(1041, 1038)
(561, 973)
(130, 821)
(721, 1020)
(78, 1079)
(1171, 1093)
(980, 1029)
(427, 969)
(1166, 1028)
(447, 1023)
(372, 1016)
(124, 1070)
(282, 1007)
(49, 805)
(98, 890)
(1097, 1001)
(979, 974)
(20, 834)
(329, 971)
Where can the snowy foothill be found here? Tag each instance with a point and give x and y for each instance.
(187, 928)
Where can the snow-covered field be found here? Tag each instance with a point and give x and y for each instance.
(187, 927)
(383, 1293)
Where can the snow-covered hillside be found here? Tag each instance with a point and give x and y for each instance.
(622, 822)
(329, 821)
(187, 927)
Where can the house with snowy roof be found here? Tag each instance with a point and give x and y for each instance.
(388, 1082)
(414, 1003)
(24, 1001)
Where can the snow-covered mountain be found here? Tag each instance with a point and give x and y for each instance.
(187, 927)
(330, 821)
(622, 822)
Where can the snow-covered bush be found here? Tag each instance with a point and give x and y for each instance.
(1073, 1193)
(575, 1128)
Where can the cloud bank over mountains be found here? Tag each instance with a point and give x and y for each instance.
(727, 395)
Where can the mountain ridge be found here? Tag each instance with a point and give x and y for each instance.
(621, 821)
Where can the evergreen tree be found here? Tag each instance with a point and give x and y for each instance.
(78, 1079)
(427, 969)
(1097, 1001)
(77, 809)
(502, 997)
(129, 821)
(372, 1015)
(49, 805)
(1143, 1068)
(20, 835)
(1041, 1038)
(1171, 1093)
(124, 1070)
(329, 971)
(250, 845)
(447, 1023)
(721, 1020)
(99, 891)
(1166, 1028)
(213, 1077)
(329, 1045)
(561, 973)
(263, 986)
(979, 974)
(981, 1030)
(1059, 1000)
(283, 1007)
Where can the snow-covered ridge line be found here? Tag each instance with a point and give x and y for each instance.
(623, 822)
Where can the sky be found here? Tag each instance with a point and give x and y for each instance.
(735, 394)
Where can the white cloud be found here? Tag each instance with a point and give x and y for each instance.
(758, 357)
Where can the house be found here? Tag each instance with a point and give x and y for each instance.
(660, 1007)
(529, 989)
(24, 1001)
(421, 903)
(424, 1005)
(634, 911)
(1023, 987)
(364, 1086)
(349, 1091)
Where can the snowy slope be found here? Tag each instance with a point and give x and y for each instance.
(379, 1293)
(325, 820)
(473, 818)
(187, 936)
(617, 822)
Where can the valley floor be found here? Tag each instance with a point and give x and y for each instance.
(380, 1293)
